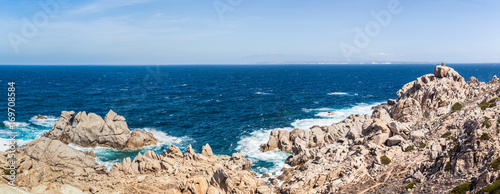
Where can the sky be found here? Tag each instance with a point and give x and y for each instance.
(248, 31)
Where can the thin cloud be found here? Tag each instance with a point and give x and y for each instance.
(380, 54)
(104, 5)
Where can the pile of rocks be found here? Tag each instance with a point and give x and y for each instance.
(50, 166)
(440, 133)
(90, 130)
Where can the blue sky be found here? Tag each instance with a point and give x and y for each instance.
(247, 31)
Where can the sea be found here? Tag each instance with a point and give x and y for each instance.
(233, 108)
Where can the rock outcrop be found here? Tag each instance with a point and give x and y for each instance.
(194, 173)
(318, 135)
(90, 130)
(50, 166)
(41, 117)
(441, 132)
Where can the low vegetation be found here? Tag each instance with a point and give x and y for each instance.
(493, 188)
(456, 107)
(423, 145)
(447, 134)
(485, 136)
(484, 105)
(411, 185)
(486, 122)
(448, 166)
(462, 189)
(456, 148)
(496, 164)
(385, 160)
(493, 102)
(409, 148)
(8, 172)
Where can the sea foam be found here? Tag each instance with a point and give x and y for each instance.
(49, 122)
(338, 93)
(329, 116)
(24, 133)
(250, 144)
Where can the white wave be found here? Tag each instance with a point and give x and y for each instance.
(330, 116)
(338, 93)
(16, 124)
(49, 122)
(306, 124)
(6, 142)
(315, 109)
(25, 133)
(250, 144)
(165, 139)
(262, 93)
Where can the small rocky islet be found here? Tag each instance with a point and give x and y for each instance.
(439, 136)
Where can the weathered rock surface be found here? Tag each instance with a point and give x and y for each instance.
(317, 136)
(90, 130)
(193, 173)
(140, 138)
(51, 166)
(441, 132)
(41, 117)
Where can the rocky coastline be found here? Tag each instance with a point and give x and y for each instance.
(439, 136)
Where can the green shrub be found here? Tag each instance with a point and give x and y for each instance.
(456, 107)
(496, 164)
(486, 122)
(493, 188)
(448, 166)
(8, 172)
(462, 189)
(484, 105)
(498, 120)
(445, 117)
(409, 148)
(385, 160)
(456, 148)
(423, 145)
(411, 185)
(447, 134)
(485, 136)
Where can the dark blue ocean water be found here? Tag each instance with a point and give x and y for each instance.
(231, 107)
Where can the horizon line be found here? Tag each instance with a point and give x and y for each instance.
(167, 64)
